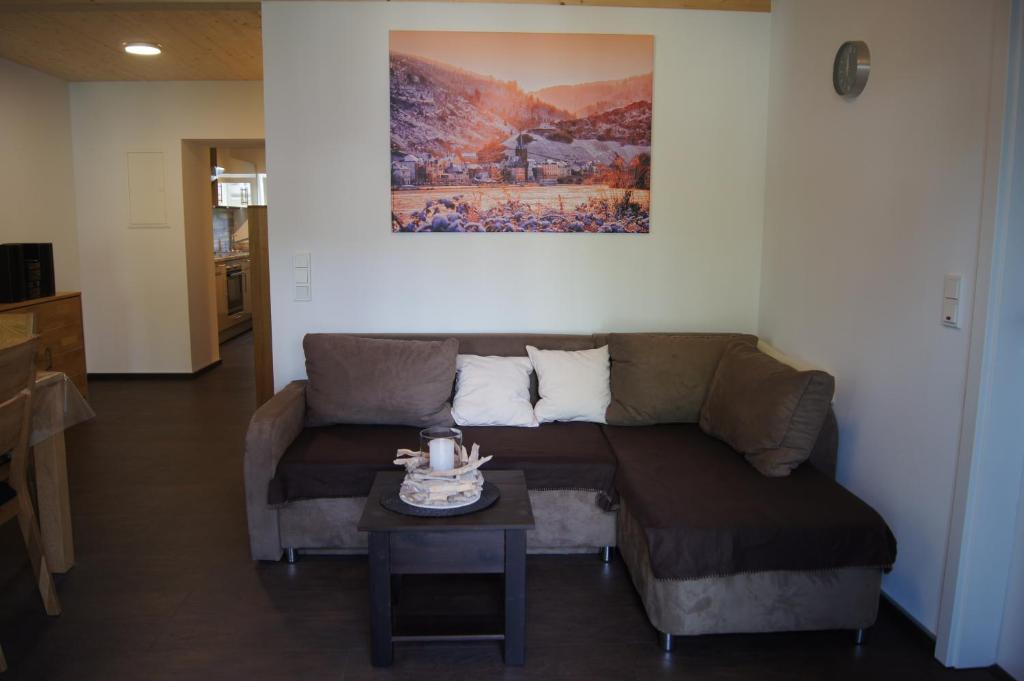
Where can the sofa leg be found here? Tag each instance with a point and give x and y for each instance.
(606, 554)
(858, 637)
(290, 555)
(665, 641)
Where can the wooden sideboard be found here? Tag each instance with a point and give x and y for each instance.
(61, 338)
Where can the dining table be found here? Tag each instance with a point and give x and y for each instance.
(56, 406)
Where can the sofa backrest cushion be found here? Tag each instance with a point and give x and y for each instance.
(377, 381)
(503, 345)
(498, 344)
(765, 409)
(663, 377)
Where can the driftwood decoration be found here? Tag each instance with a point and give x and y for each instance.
(425, 487)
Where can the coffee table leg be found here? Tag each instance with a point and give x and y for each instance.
(380, 599)
(515, 597)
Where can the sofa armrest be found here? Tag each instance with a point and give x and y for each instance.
(273, 427)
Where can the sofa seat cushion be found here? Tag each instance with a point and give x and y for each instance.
(338, 461)
(572, 455)
(706, 512)
(342, 460)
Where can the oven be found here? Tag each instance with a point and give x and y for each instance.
(236, 289)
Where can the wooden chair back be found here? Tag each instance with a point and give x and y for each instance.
(17, 378)
(16, 327)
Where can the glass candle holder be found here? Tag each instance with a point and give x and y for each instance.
(443, 446)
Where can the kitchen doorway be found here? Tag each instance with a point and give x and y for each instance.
(225, 196)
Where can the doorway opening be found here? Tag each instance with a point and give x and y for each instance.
(225, 199)
(238, 182)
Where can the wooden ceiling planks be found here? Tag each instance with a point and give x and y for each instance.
(85, 43)
(81, 40)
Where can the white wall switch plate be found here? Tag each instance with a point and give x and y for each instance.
(951, 286)
(302, 272)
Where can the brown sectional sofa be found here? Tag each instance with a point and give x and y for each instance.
(712, 545)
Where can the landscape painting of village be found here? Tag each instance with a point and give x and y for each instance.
(520, 132)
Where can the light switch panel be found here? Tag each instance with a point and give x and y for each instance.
(301, 269)
(951, 287)
(951, 312)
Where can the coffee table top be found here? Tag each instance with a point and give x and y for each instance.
(511, 512)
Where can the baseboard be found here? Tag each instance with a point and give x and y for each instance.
(912, 622)
(1000, 673)
(154, 375)
(927, 639)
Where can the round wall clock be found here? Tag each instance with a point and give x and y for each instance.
(851, 68)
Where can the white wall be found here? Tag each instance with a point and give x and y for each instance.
(37, 201)
(869, 203)
(326, 89)
(135, 280)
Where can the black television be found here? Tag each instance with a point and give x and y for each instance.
(26, 272)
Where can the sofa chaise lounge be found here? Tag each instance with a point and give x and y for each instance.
(712, 544)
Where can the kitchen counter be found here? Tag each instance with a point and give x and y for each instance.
(228, 257)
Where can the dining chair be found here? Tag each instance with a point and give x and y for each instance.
(17, 378)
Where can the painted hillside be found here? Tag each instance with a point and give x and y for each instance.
(585, 99)
(439, 109)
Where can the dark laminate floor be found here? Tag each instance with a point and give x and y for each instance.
(164, 588)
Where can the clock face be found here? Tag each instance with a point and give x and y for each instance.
(851, 68)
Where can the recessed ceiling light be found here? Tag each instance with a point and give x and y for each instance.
(145, 49)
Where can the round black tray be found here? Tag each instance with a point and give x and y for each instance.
(488, 495)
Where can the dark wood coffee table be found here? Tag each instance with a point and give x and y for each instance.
(488, 542)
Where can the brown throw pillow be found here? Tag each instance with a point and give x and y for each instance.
(377, 381)
(663, 378)
(765, 409)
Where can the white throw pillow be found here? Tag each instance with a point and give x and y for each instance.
(574, 385)
(493, 391)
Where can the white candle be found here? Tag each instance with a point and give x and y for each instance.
(442, 454)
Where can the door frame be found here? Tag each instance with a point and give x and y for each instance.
(990, 463)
